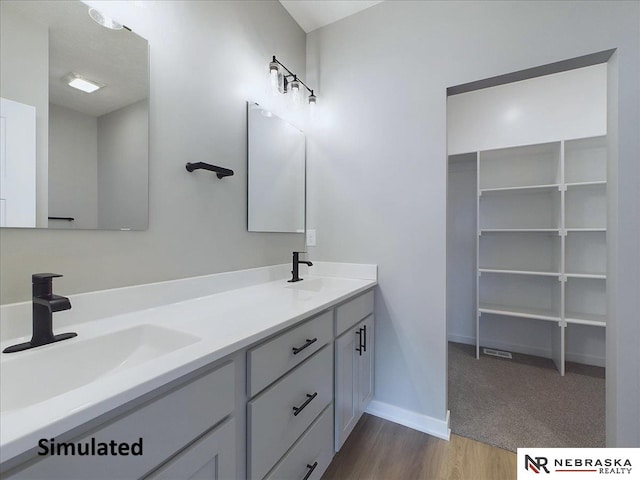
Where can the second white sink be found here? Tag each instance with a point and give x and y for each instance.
(318, 284)
(37, 375)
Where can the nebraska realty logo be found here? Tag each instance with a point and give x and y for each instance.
(581, 463)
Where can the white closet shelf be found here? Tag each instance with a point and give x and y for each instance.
(522, 230)
(520, 272)
(524, 312)
(601, 229)
(586, 184)
(586, 319)
(561, 188)
(586, 229)
(597, 276)
(526, 188)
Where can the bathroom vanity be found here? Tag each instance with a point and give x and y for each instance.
(257, 379)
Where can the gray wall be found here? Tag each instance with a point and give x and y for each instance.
(377, 173)
(24, 47)
(461, 248)
(206, 60)
(73, 168)
(123, 147)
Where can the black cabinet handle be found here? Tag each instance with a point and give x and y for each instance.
(297, 410)
(364, 329)
(311, 469)
(359, 334)
(299, 349)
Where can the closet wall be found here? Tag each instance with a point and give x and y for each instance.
(566, 105)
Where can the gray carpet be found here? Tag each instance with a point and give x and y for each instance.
(524, 402)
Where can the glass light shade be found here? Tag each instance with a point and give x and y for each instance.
(273, 74)
(295, 91)
(102, 19)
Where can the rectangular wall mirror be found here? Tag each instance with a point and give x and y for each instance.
(276, 173)
(72, 159)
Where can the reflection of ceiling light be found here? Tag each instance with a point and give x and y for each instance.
(266, 113)
(103, 20)
(76, 81)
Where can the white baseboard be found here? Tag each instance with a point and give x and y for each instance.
(462, 339)
(417, 421)
(583, 358)
(509, 347)
(518, 348)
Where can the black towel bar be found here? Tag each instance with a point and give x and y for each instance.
(221, 172)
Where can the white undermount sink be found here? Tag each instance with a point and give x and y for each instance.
(42, 373)
(318, 284)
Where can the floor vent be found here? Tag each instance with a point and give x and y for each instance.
(497, 353)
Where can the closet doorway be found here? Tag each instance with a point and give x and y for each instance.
(526, 258)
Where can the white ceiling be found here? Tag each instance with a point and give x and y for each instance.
(312, 14)
(117, 59)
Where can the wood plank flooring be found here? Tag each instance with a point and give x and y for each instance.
(382, 450)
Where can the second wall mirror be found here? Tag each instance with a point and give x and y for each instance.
(276, 173)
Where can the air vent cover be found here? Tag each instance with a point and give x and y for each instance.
(497, 353)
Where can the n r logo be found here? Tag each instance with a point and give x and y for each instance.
(536, 465)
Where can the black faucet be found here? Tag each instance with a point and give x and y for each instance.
(296, 264)
(44, 304)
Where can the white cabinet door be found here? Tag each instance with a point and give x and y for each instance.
(365, 365)
(353, 377)
(17, 164)
(213, 457)
(346, 379)
(166, 424)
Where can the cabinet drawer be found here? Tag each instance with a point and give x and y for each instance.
(352, 312)
(213, 457)
(273, 425)
(313, 451)
(272, 359)
(165, 424)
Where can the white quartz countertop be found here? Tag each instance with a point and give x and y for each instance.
(223, 323)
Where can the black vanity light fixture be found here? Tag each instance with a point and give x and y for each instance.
(287, 81)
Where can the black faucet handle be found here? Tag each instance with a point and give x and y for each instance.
(43, 283)
(43, 277)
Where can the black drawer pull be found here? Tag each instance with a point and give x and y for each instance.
(364, 345)
(359, 348)
(299, 349)
(311, 469)
(297, 410)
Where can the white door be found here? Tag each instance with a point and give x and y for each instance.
(17, 164)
